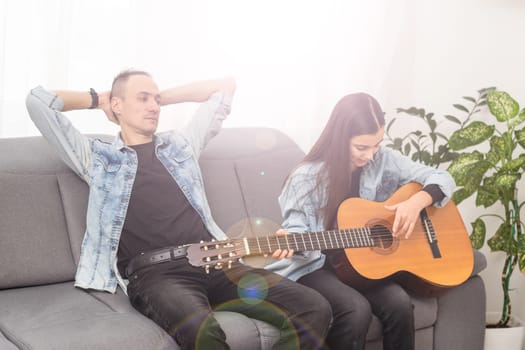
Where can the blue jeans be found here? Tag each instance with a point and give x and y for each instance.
(180, 298)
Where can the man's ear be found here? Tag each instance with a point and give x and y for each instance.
(116, 105)
(116, 108)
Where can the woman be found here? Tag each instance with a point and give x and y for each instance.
(348, 161)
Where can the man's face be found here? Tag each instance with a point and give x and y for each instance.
(139, 108)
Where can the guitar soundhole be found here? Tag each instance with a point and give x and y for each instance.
(384, 242)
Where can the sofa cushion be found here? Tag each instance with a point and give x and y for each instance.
(5, 344)
(60, 316)
(34, 318)
(258, 334)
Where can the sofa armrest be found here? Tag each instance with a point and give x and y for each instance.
(480, 263)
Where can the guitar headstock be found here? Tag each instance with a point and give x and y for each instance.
(217, 254)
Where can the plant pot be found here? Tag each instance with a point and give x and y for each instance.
(510, 338)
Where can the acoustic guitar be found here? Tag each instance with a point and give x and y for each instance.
(438, 251)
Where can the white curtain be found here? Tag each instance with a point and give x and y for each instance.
(292, 59)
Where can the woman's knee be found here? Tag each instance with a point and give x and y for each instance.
(356, 313)
(399, 304)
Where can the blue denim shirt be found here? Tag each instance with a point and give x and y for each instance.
(380, 178)
(110, 169)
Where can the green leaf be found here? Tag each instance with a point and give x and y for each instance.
(488, 193)
(471, 99)
(468, 169)
(389, 125)
(415, 144)
(521, 262)
(519, 120)
(461, 107)
(432, 124)
(497, 149)
(407, 149)
(502, 106)
(460, 195)
(477, 237)
(418, 112)
(447, 155)
(506, 182)
(520, 137)
(514, 164)
(502, 240)
(473, 134)
(453, 119)
(460, 167)
(483, 92)
(425, 157)
(397, 144)
(443, 136)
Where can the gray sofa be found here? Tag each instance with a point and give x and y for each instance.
(42, 213)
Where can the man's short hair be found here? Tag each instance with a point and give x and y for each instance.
(119, 83)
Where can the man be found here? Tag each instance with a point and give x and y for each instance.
(147, 199)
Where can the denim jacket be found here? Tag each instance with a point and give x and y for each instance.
(110, 169)
(380, 178)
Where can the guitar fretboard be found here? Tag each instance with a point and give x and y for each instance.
(347, 238)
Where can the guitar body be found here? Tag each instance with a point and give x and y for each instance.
(411, 255)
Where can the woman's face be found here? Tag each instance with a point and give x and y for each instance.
(363, 148)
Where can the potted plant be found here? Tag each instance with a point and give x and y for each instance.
(428, 142)
(491, 171)
(492, 175)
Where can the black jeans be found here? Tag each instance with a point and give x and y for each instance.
(352, 311)
(180, 298)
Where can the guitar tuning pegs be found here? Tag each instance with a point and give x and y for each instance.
(207, 269)
(218, 266)
(229, 264)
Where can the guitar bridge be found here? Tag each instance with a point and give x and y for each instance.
(430, 234)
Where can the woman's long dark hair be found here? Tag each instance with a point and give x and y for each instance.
(354, 115)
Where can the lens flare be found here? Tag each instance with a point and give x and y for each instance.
(252, 288)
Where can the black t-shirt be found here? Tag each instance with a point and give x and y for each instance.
(159, 214)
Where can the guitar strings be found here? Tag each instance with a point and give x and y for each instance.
(344, 238)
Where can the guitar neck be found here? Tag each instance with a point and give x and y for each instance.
(336, 239)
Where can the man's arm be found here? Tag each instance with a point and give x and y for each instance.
(75, 100)
(45, 109)
(199, 91)
(207, 121)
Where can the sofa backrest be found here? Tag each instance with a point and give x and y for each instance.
(244, 170)
(43, 203)
(42, 213)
